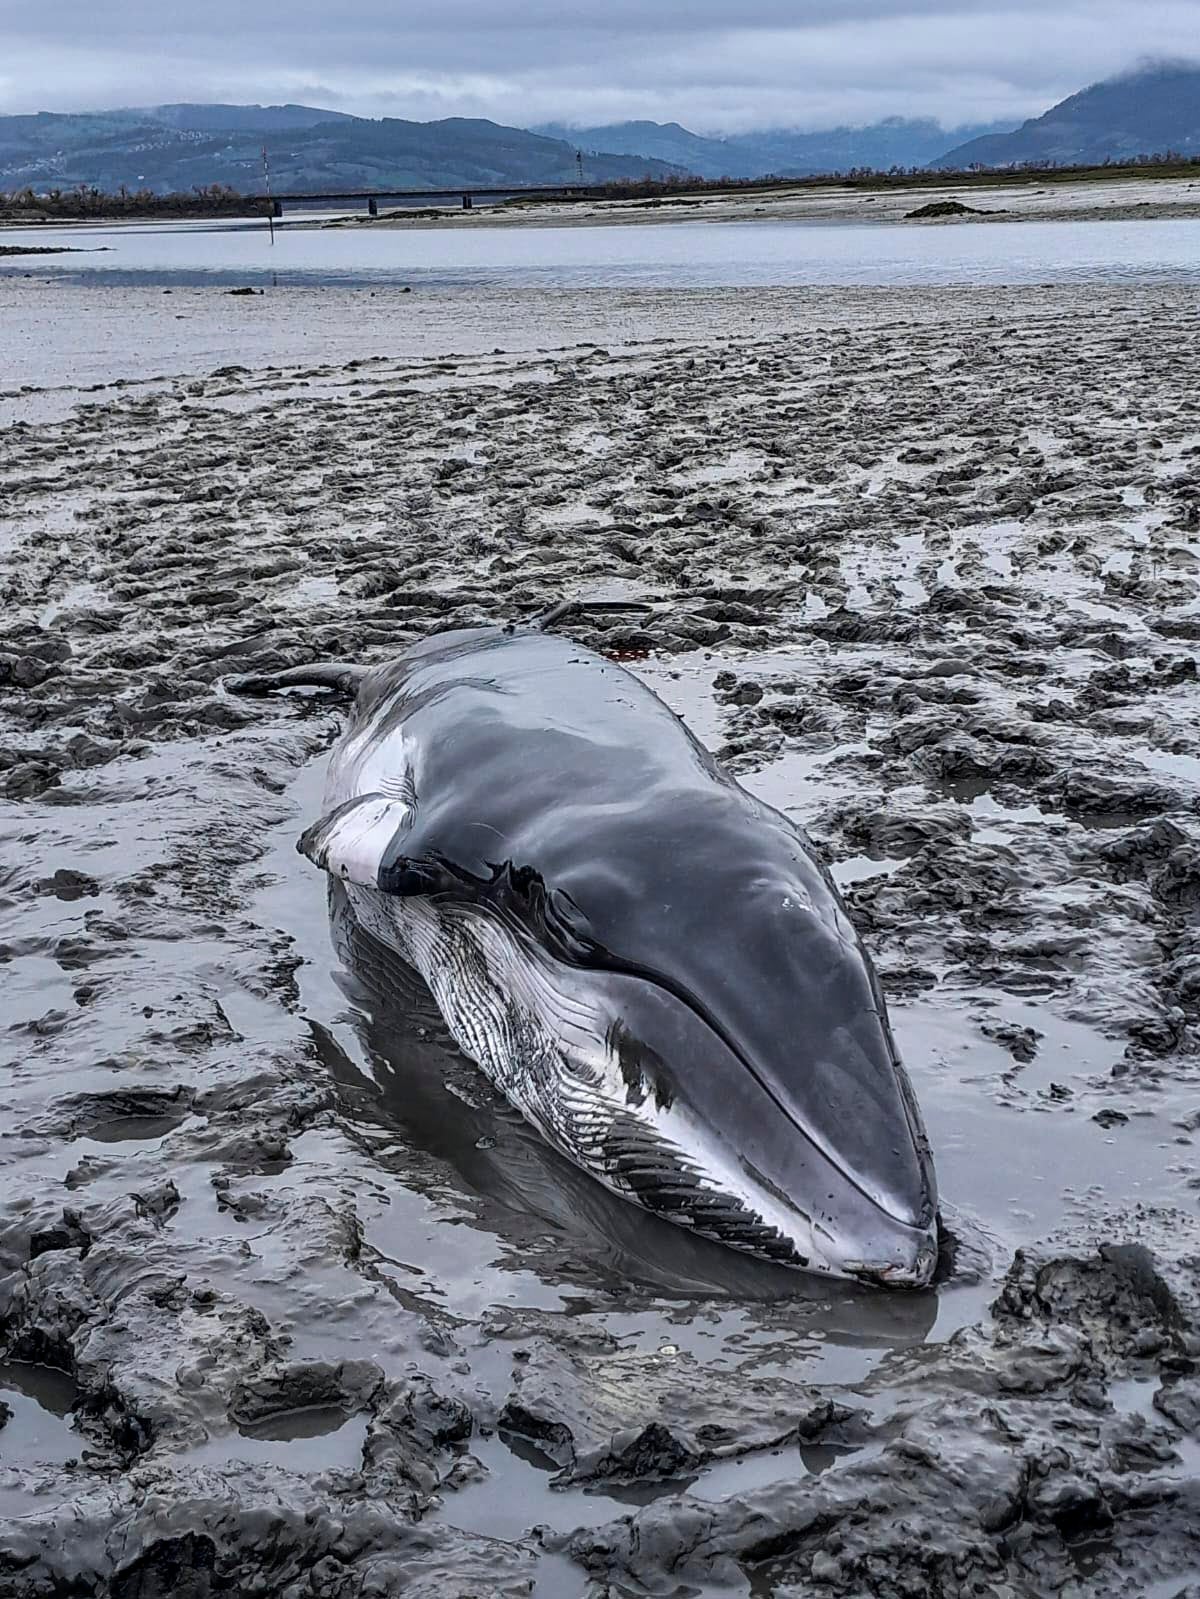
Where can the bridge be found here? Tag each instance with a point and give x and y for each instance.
(373, 197)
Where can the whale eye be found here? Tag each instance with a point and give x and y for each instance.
(568, 927)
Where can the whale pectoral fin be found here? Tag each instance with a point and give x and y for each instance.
(354, 839)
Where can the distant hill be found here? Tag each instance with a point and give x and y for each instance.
(254, 118)
(1148, 112)
(897, 141)
(666, 141)
(174, 148)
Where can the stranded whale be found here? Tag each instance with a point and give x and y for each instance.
(649, 962)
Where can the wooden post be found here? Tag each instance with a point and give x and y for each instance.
(271, 212)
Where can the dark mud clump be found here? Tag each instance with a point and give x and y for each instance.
(944, 208)
(37, 249)
(1053, 1439)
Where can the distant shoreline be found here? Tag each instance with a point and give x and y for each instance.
(7, 251)
(1125, 199)
(1151, 191)
(1084, 199)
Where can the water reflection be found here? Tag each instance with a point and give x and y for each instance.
(37, 1416)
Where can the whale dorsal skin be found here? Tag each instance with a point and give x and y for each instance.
(652, 964)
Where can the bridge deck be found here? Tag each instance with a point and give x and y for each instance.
(433, 194)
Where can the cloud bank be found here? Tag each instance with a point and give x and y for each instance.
(714, 65)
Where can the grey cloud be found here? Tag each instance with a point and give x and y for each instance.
(711, 64)
(183, 18)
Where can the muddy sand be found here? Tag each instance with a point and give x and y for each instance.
(290, 1304)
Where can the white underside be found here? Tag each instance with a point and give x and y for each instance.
(352, 846)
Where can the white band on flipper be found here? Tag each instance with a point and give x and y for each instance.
(352, 840)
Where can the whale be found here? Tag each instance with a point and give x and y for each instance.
(652, 965)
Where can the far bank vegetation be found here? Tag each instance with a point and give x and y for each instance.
(82, 203)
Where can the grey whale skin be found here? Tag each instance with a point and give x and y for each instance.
(649, 962)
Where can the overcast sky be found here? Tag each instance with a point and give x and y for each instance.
(714, 65)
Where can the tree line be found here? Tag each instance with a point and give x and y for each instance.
(84, 200)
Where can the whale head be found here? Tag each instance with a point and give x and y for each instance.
(714, 1045)
(759, 1095)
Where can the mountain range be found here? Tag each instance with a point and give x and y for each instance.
(895, 142)
(174, 148)
(1148, 112)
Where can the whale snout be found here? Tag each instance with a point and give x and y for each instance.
(871, 1245)
(716, 1142)
(831, 1207)
(748, 1001)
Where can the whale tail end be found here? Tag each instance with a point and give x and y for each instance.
(337, 676)
(547, 619)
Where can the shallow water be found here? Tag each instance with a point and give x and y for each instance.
(39, 1404)
(322, 1438)
(681, 255)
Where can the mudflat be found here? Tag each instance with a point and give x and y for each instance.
(288, 1299)
(1035, 198)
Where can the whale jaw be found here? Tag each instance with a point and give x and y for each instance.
(557, 1041)
(678, 1170)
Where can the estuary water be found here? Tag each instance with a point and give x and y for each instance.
(678, 255)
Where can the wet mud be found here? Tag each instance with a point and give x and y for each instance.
(290, 1302)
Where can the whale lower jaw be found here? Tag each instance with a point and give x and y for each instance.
(540, 1037)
